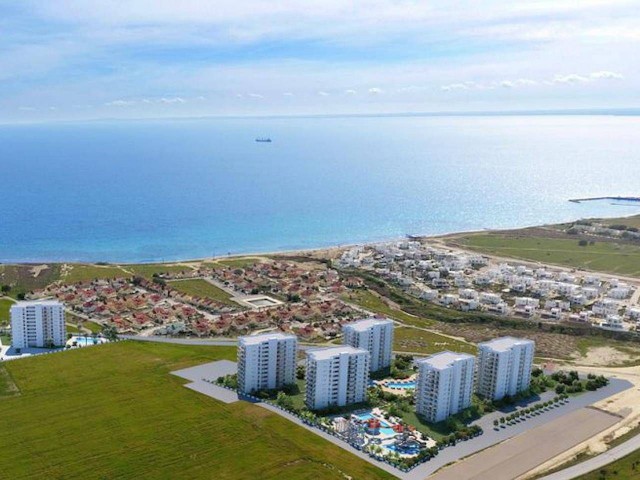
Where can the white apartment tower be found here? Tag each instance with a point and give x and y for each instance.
(444, 385)
(336, 376)
(266, 361)
(38, 324)
(374, 335)
(504, 367)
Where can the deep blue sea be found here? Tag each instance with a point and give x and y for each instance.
(179, 189)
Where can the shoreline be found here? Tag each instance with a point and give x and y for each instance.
(312, 249)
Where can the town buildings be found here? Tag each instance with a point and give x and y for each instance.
(336, 376)
(374, 335)
(444, 385)
(504, 367)
(266, 362)
(38, 324)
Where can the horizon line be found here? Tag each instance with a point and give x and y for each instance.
(604, 111)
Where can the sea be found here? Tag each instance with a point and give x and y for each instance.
(165, 190)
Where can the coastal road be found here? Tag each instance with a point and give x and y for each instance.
(597, 462)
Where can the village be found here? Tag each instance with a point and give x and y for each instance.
(471, 282)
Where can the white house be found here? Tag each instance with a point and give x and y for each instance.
(504, 367)
(336, 376)
(374, 335)
(444, 385)
(38, 324)
(266, 361)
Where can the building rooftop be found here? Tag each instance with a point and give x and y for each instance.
(444, 359)
(365, 323)
(264, 337)
(505, 343)
(326, 353)
(29, 303)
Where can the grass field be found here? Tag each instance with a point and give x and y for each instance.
(239, 262)
(5, 306)
(148, 271)
(627, 468)
(114, 411)
(373, 303)
(22, 280)
(422, 342)
(84, 273)
(201, 288)
(611, 257)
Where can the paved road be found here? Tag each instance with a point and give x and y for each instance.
(232, 342)
(519, 455)
(597, 462)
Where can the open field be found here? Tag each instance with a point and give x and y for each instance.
(374, 303)
(627, 468)
(147, 271)
(237, 262)
(7, 386)
(203, 289)
(87, 272)
(610, 257)
(25, 278)
(422, 342)
(5, 307)
(155, 427)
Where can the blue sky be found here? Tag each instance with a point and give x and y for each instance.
(79, 59)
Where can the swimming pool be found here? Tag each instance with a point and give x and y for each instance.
(403, 385)
(383, 423)
(85, 341)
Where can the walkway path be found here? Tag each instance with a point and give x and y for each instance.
(597, 462)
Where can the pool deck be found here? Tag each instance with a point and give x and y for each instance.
(497, 444)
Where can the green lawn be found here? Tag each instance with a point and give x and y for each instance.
(203, 289)
(422, 342)
(86, 272)
(239, 262)
(114, 411)
(5, 307)
(7, 386)
(617, 258)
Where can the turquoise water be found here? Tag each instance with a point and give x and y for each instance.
(167, 190)
(407, 385)
(367, 416)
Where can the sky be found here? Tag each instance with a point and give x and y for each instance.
(80, 59)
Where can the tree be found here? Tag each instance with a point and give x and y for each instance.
(300, 372)
(583, 243)
(284, 401)
(5, 289)
(560, 388)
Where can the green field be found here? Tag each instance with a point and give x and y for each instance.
(611, 257)
(85, 273)
(373, 303)
(203, 289)
(115, 412)
(422, 342)
(5, 306)
(22, 280)
(627, 468)
(148, 271)
(239, 262)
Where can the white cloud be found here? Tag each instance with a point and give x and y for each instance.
(120, 103)
(350, 91)
(27, 109)
(606, 75)
(525, 81)
(287, 94)
(507, 84)
(375, 91)
(572, 78)
(172, 100)
(323, 93)
(255, 95)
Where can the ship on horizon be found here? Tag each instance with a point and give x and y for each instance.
(263, 140)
